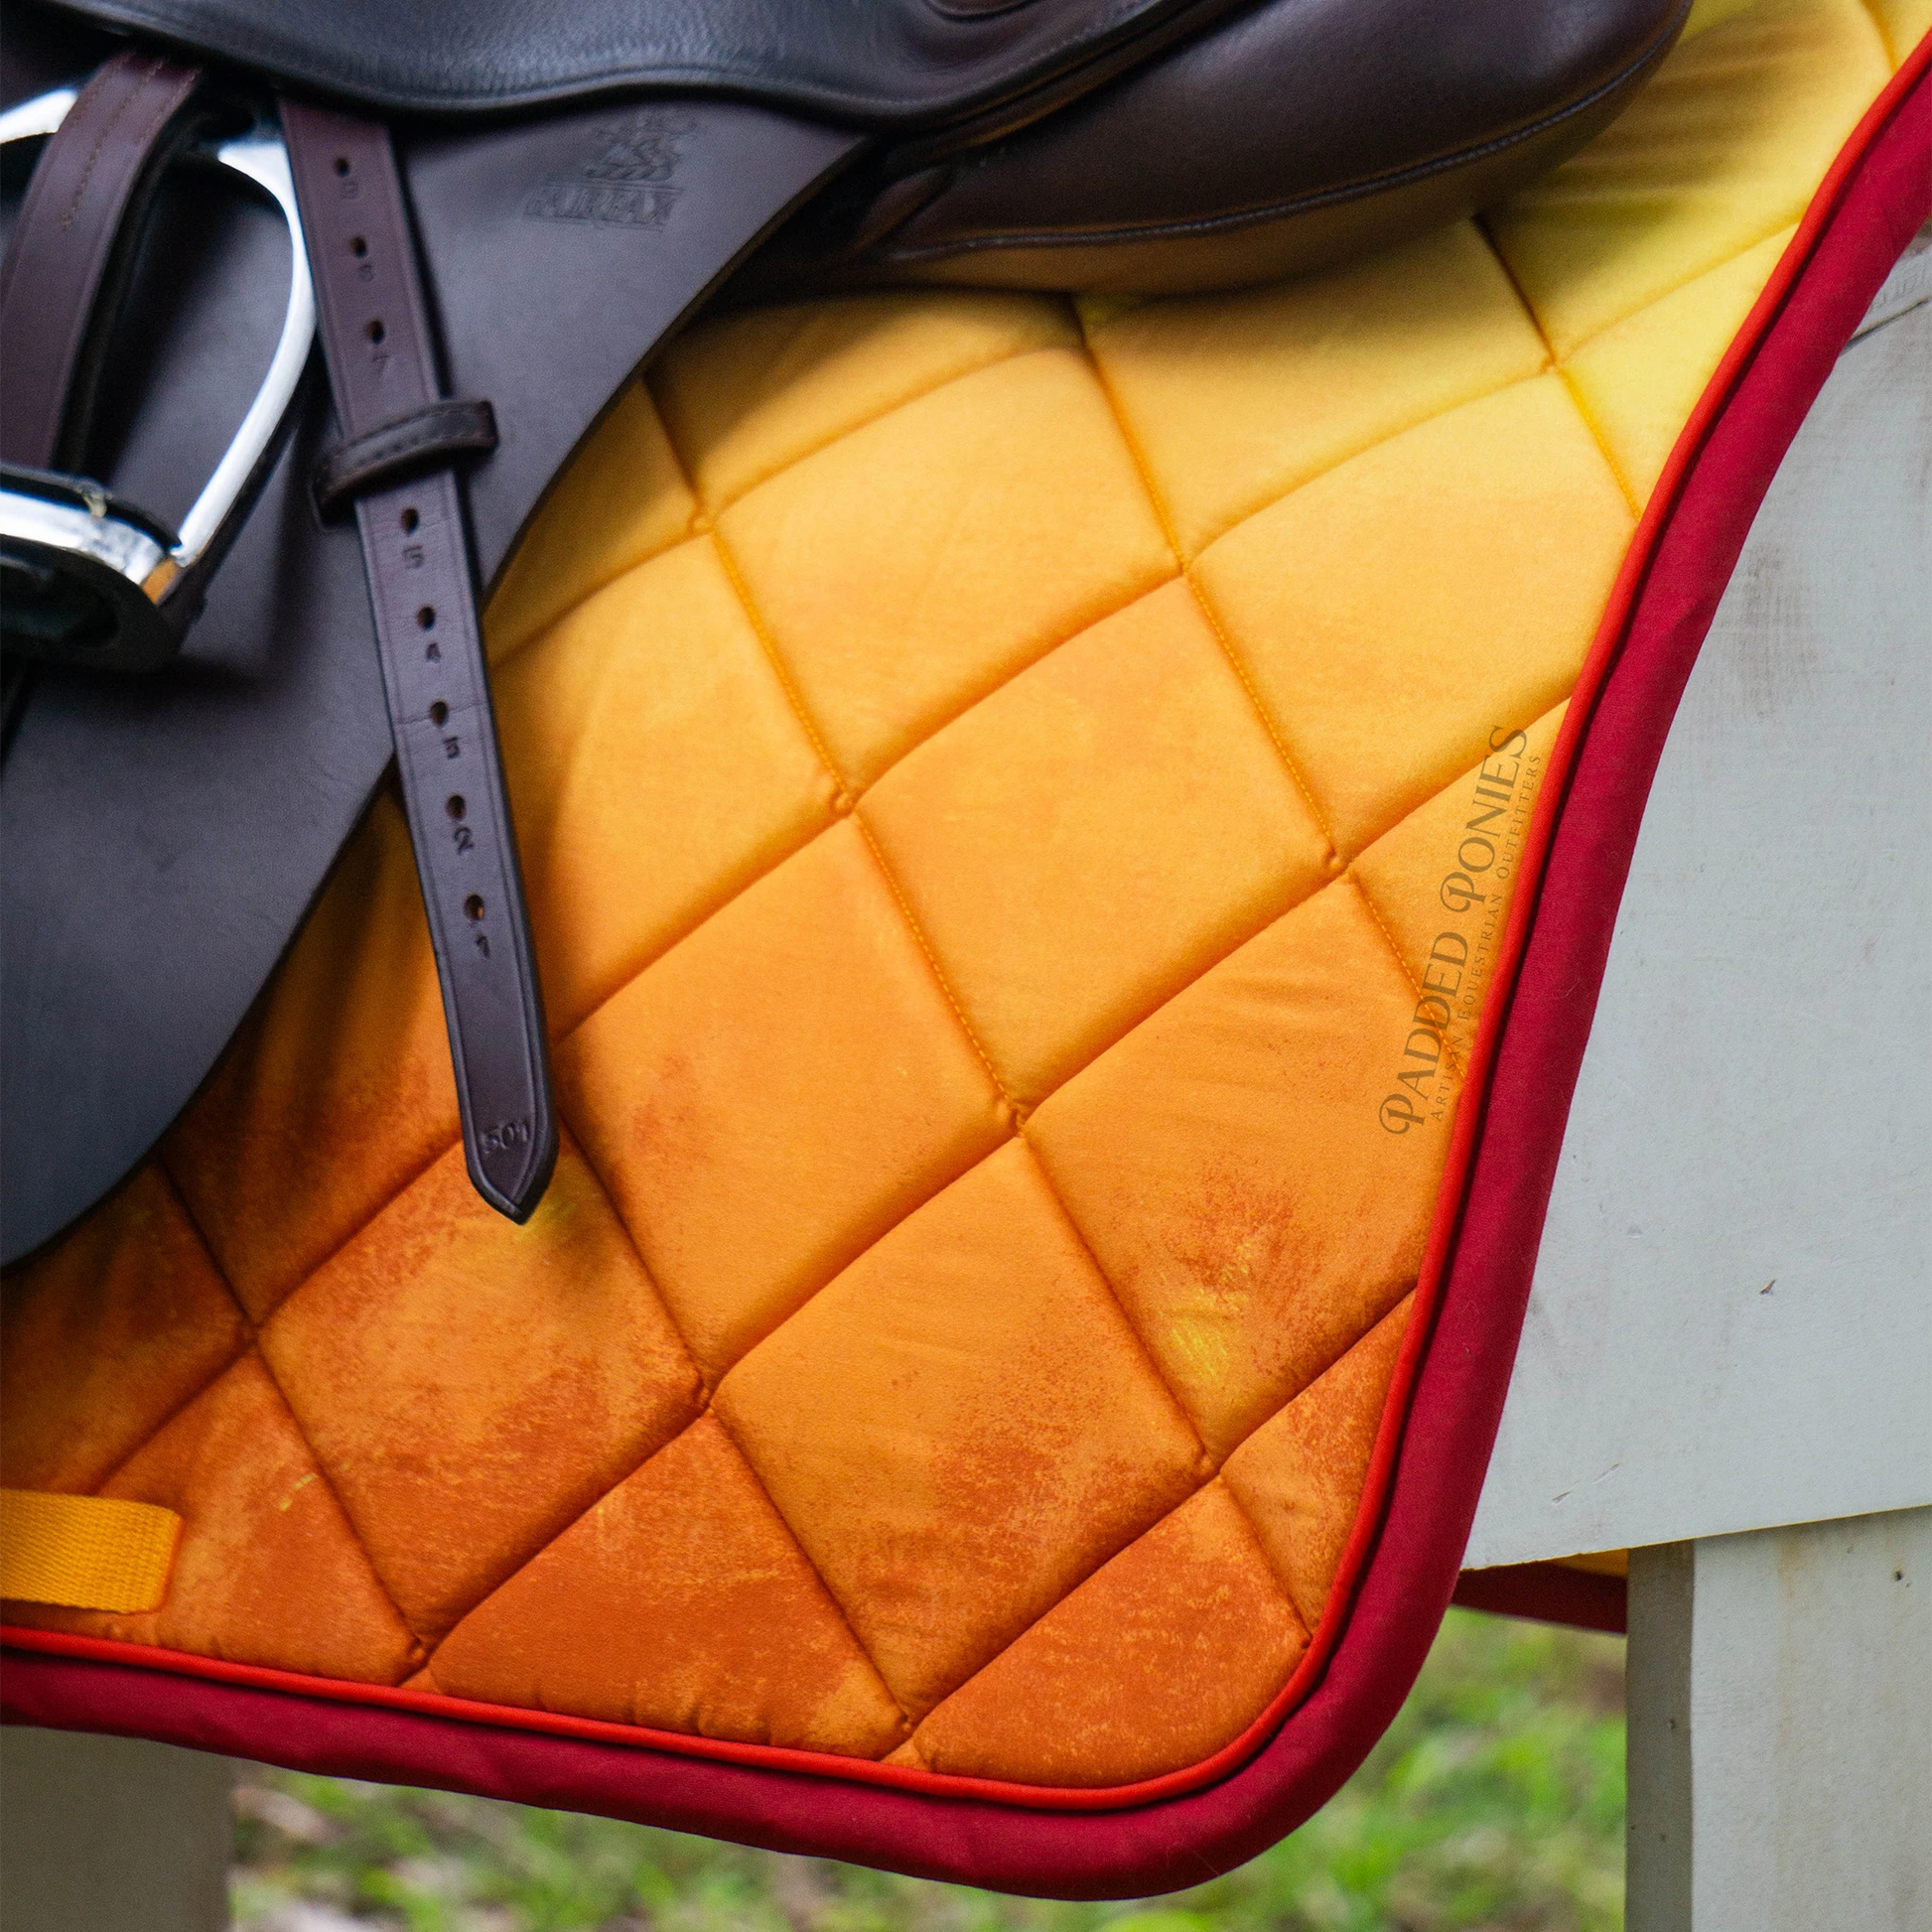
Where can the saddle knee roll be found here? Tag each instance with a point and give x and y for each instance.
(1301, 133)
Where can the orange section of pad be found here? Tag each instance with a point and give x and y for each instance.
(1020, 801)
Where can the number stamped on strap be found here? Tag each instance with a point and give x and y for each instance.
(375, 334)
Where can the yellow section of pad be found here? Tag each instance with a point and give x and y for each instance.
(88, 1553)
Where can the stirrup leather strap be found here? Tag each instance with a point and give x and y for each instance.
(376, 337)
(71, 242)
(76, 235)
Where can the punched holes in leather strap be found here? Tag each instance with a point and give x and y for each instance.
(429, 438)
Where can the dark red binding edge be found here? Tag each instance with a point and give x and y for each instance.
(1429, 1472)
(1548, 1593)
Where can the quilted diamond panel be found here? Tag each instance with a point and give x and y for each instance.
(470, 1386)
(1298, 1476)
(1234, 400)
(960, 1428)
(1056, 933)
(678, 1600)
(1228, 1163)
(751, 394)
(656, 767)
(1158, 1659)
(753, 1156)
(1639, 379)
(907, 569)
(1481, 610)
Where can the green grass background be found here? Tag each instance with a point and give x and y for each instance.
(1494, 1804)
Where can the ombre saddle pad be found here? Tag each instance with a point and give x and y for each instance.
(1072, 845)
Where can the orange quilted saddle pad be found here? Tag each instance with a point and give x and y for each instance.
(1021, 802)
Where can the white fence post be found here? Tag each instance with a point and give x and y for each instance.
(112, 1835)
(1780, 1742)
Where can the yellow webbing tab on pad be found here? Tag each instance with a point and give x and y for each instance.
(88, 1553)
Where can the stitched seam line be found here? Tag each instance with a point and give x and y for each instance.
(1589, 422)
(1361, 1336)
(1240, 1509)
(311, 1270)
(849, 799)
(207, 1382)
(702, 515)
(925, 945)
(770, 645)
(524, 1561)
(1893, 58)
(1240, 670)
(295, 1420)
(121, 106)
(546, 627)
(1556, 365)
(1555, 368)
(1140, 1340)
(832, 437)
(705, 1408)
(1352, 878)
(804, 1557)
(604, 1496)
(1158, 503)
(1275, 1577)
(1649, 301)
(1350, 455)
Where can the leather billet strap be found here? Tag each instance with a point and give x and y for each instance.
(75, 236)
(382, 367)
(70, 245)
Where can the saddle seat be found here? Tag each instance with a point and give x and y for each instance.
(977, 66)
(1243, 142)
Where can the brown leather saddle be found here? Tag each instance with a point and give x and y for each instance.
(235, 591)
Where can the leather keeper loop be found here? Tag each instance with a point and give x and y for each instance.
(429, 438)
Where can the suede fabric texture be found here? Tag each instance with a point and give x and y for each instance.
(1020, 802)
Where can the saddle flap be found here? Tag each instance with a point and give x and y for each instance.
(171, 833)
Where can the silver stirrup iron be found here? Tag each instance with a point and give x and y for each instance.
(90, 580)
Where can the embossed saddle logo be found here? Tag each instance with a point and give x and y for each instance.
(626, 180)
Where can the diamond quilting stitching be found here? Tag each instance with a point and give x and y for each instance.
(109, 1337)
(752, 1157)
(908, 569)
(472, 1385)
(662, 1593)
(748, 395)
(960, 1427)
